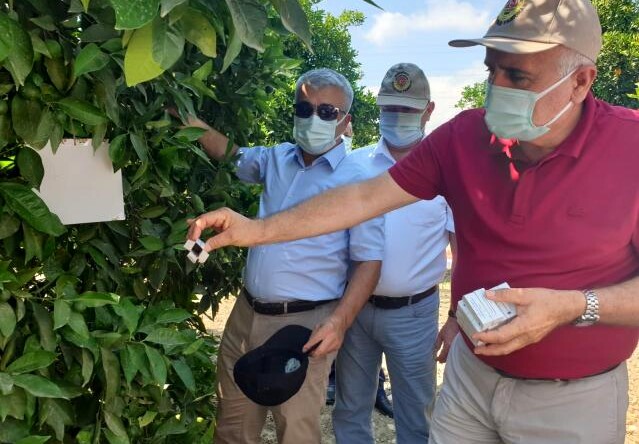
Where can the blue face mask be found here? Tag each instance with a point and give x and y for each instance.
(314, 135)
(401, 130)
(509, 112)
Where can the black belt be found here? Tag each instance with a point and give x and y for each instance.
(509, 376)
(279, 308)
(389, 302)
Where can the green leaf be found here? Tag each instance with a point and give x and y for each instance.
(129, 314)
(82, 110)
(30, 165)
(167, 337)
(294, 18)
(130, 362)
(232, 50)
(184, 372)
(153, 212)
(9, 225)
(167, 45)
(167, 6)
(44, 129)
(158, 366)
(173, 315)
(61, 313)
(85, 4)
(33, 242)
(190, 133)
(78, 325)
(157, 272)
(39, 386)
(76, 339)
(97, 299)
(19, 60)
(7, 320)
(31, 208)
(34, 439)
(32, 361)
(115, 425)
(133, 14)
(13, 404)
(203, 71)
(25, 116)
(12, 430)
(140, 146)
(111, 367)
(45, 327)
(87, 367)
(147, 418)
(90, 59)
(57, 414)
(152, 243)
(199, 31)
(6, 383)
(250, 20)
(139, 65)
(117, 151)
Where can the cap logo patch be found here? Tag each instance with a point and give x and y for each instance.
(401, 82)
(510, 12)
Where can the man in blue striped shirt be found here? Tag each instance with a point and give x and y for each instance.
(301, 282)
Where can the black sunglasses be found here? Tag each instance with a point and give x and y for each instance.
(325, 111)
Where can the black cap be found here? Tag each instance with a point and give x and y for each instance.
(273, 372)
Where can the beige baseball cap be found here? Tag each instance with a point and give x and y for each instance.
(404, 85)
(529, 26)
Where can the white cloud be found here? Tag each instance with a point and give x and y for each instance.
(446, 92)
(439, 15)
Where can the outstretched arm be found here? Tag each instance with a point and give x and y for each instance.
(331, 211)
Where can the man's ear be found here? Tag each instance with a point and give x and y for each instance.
(428, 111)
(584, 78)
(342, 126)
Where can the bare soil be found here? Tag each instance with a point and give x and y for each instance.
(384, 427)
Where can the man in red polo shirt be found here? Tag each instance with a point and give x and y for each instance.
(543, 185)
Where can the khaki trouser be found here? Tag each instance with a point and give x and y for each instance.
(240, 420)
(478, 405)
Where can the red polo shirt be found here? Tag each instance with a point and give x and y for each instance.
(568, 221)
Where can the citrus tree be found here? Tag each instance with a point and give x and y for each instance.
(98, 338)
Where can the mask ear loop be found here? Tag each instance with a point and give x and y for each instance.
(565, 108)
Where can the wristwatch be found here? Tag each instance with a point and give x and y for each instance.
(591, 314)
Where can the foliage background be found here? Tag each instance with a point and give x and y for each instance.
(98, 342)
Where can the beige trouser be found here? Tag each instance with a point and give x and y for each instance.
(477, 405)
(240, 420)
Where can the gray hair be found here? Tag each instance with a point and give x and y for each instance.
(569, 60)
(323, 78)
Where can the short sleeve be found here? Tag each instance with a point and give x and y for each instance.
(450, 223)
(366, 240)
(252, 164)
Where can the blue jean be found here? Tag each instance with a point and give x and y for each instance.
(406, 336)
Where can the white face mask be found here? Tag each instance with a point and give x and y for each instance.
(348, 142)
(314, 135)
(401, 130)
(509, 111)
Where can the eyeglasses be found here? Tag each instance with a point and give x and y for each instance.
(325, 111)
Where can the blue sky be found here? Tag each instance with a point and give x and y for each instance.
(418, 31)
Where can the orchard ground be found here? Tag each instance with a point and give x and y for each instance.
(384, 427)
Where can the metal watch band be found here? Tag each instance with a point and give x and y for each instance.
(591, 314)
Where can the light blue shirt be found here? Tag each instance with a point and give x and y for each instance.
(307, 269)
(416, 235)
